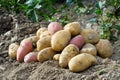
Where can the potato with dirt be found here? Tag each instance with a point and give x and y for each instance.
(53, 27)
(26, 46)
(40, 31)
(68, 52)
(78, 41)
(81, 62)
(56, 57)
(104, 48)
(89, 48)
(45, 54)
(74, 28)
(31, 57)
(12, 51)
(43, 43)
(90, 36)
(60, 40)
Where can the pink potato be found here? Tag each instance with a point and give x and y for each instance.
(53, 27)
(78, 41)
(31, 57)
(25, 47)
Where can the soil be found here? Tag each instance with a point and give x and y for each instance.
(14, 28)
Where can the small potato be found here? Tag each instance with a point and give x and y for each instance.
(78, 41)
(104, 48)
(44, 34)
(74, 28)
(89, 48)
(68, 52)
(12, 51)
(45, 54)
(40, 31)
(81, 62)
(53, 27)
(60, 40)
(43, 43)
(56, 57)
(90, 36)
(31, 57)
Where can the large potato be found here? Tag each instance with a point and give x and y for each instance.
(53, 27)
(78, 41)
(104, 48)
(68, 52)
(90, 36)
(12, 51)
(43, 43)
(44, 34)
(74, 28)
(45, 54)
(89, 48)
(60, 39)
(40, 31)
(81, 62)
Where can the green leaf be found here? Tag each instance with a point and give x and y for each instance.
(93, 20)
(117, 27)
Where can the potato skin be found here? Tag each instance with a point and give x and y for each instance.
(25, 47)
(56, 57)
(31, 57)
(89, 48)
(90, 36)
(40, 31)
(45, 54)
(68, 52)
(78, 41)
(53, 27)
(81, 62)
(43, 43)
(44, 34)
(104, 48)
(12, 51)
(73, 27)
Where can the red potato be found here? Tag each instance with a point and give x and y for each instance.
(25, 47)
(53, 27)
(31, 57)
(78, 41)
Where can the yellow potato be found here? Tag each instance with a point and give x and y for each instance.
(45, 54)
(45, 34)
(90, 49)
(104, 48)
(56, 57)
(68, 52)
(40, 31)
(90, 36)
(34, 39)
(60, 40)
(43, 43)
(74, 28)
(81, 62)
(12, 51)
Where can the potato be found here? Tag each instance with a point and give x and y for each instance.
(53, 27)
(40, 31)
(44, 34)
(68, 52)
(89, 48)
(25, 47)
(104, 48)
(43, 43)
(60, 40)
(12, 51)
(31, 57)
(74, 28)
(56, 57)
(81, 62)
(90, 36)
(78, 41)
(45, 54)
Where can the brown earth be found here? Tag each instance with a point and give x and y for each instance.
(16, 28)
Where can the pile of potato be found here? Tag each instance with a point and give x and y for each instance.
(71, 45)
